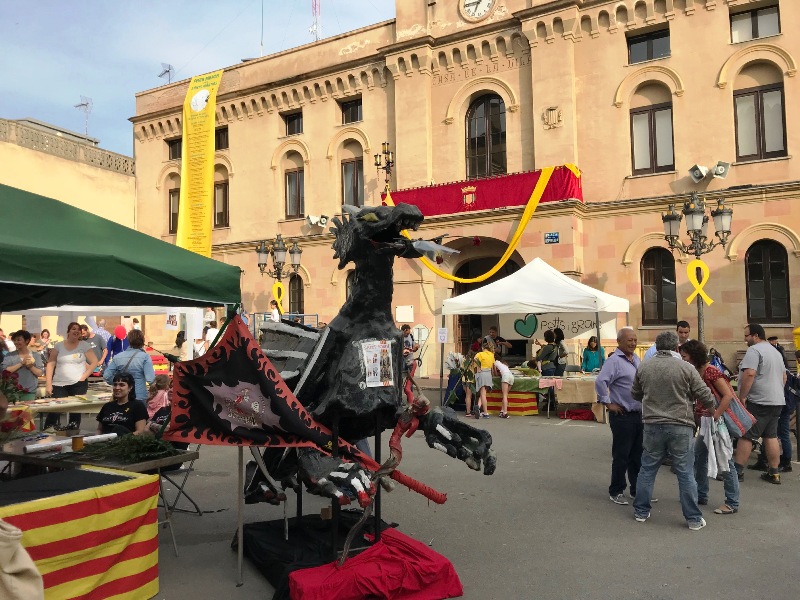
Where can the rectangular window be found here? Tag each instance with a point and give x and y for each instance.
(754, 24)
(760, 123)
(174, 148)
(353, 182)
(174, 202)
(351, 111)
(652, 149)
(221, 204)
(221, 139)
(294, 123)
(295, 193)
(648, 47)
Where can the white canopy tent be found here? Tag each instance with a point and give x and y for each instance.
(536, 288)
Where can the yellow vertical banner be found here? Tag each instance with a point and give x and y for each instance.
(197, 164)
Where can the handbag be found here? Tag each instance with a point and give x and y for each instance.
(738, 419)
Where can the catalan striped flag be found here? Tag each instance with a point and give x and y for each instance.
(97, 543)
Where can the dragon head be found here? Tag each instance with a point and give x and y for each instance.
(373, 229)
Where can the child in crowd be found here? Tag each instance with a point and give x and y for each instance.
(158, 402)
(506, 381)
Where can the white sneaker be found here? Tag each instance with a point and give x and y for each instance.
(618, 499)
(697, 525)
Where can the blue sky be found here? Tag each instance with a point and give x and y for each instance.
(52, 52)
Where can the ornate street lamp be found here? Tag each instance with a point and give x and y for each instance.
(385, 162)
(694, 209)
(278, 250)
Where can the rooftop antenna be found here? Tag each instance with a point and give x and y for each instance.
(86, 106)
(316, 25)
(167, 70)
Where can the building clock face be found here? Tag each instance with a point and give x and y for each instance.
(476, 10)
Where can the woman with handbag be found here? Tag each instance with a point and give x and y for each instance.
(696, 354)
(136, 362)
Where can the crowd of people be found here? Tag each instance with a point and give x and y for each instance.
(674, 406)
(66, 365)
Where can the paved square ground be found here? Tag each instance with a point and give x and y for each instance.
(541, 527)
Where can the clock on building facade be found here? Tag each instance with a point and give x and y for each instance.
(476, 10)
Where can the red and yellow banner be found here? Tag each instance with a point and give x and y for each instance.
(197, 164)
(100, 542)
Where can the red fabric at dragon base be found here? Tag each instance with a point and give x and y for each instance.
(493, 192)
(396, 567)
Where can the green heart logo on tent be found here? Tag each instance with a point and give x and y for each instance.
(526, 327)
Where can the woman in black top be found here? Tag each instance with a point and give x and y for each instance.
(124, 414)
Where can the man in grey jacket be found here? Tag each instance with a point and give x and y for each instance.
(667, 387)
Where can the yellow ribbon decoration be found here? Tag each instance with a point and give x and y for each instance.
(698, 285)
(533, 202)
(277, 293)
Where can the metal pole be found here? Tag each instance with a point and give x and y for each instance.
(239, 518)
(441, 369)
(599, 340)
(700, 314)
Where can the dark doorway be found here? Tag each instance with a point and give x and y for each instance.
(470, 326)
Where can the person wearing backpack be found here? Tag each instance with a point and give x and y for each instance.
(134, 361)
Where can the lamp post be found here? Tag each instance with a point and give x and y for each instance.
(694, 209)
(385, 162)
(278, 250)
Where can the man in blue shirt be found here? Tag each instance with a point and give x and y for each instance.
(683, 330)
(613, 387)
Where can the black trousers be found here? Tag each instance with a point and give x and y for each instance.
(62, 391)
(627, 430)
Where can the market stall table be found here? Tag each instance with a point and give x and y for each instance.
(91, 533)
(89, 404)
(524, 394)
(14, 452)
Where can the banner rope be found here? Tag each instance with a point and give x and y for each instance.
(530, 208)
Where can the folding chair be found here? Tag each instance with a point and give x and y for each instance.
(178, 478)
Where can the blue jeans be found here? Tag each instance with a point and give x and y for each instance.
(678, 441)
(730, 480)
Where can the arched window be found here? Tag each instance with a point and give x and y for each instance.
(352, 174)
(221, 216)
(173, 200)
(296, 303)
(294, 185)
(651, 130)
(659, 297)
(758, 112)
(486, 137)
(767, 273)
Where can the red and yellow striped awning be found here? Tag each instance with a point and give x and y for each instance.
(100, 542)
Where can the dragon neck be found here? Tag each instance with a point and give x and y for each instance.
(373, 287)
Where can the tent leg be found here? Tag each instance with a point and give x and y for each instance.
(599, 339)
(239, 527)
(441, 370)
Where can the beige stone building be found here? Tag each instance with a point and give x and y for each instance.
(634, 92)
(50, 161)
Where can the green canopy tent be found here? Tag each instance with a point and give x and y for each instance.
(53, 254)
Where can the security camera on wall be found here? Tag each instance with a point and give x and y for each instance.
(698, 173)
(720, 170)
